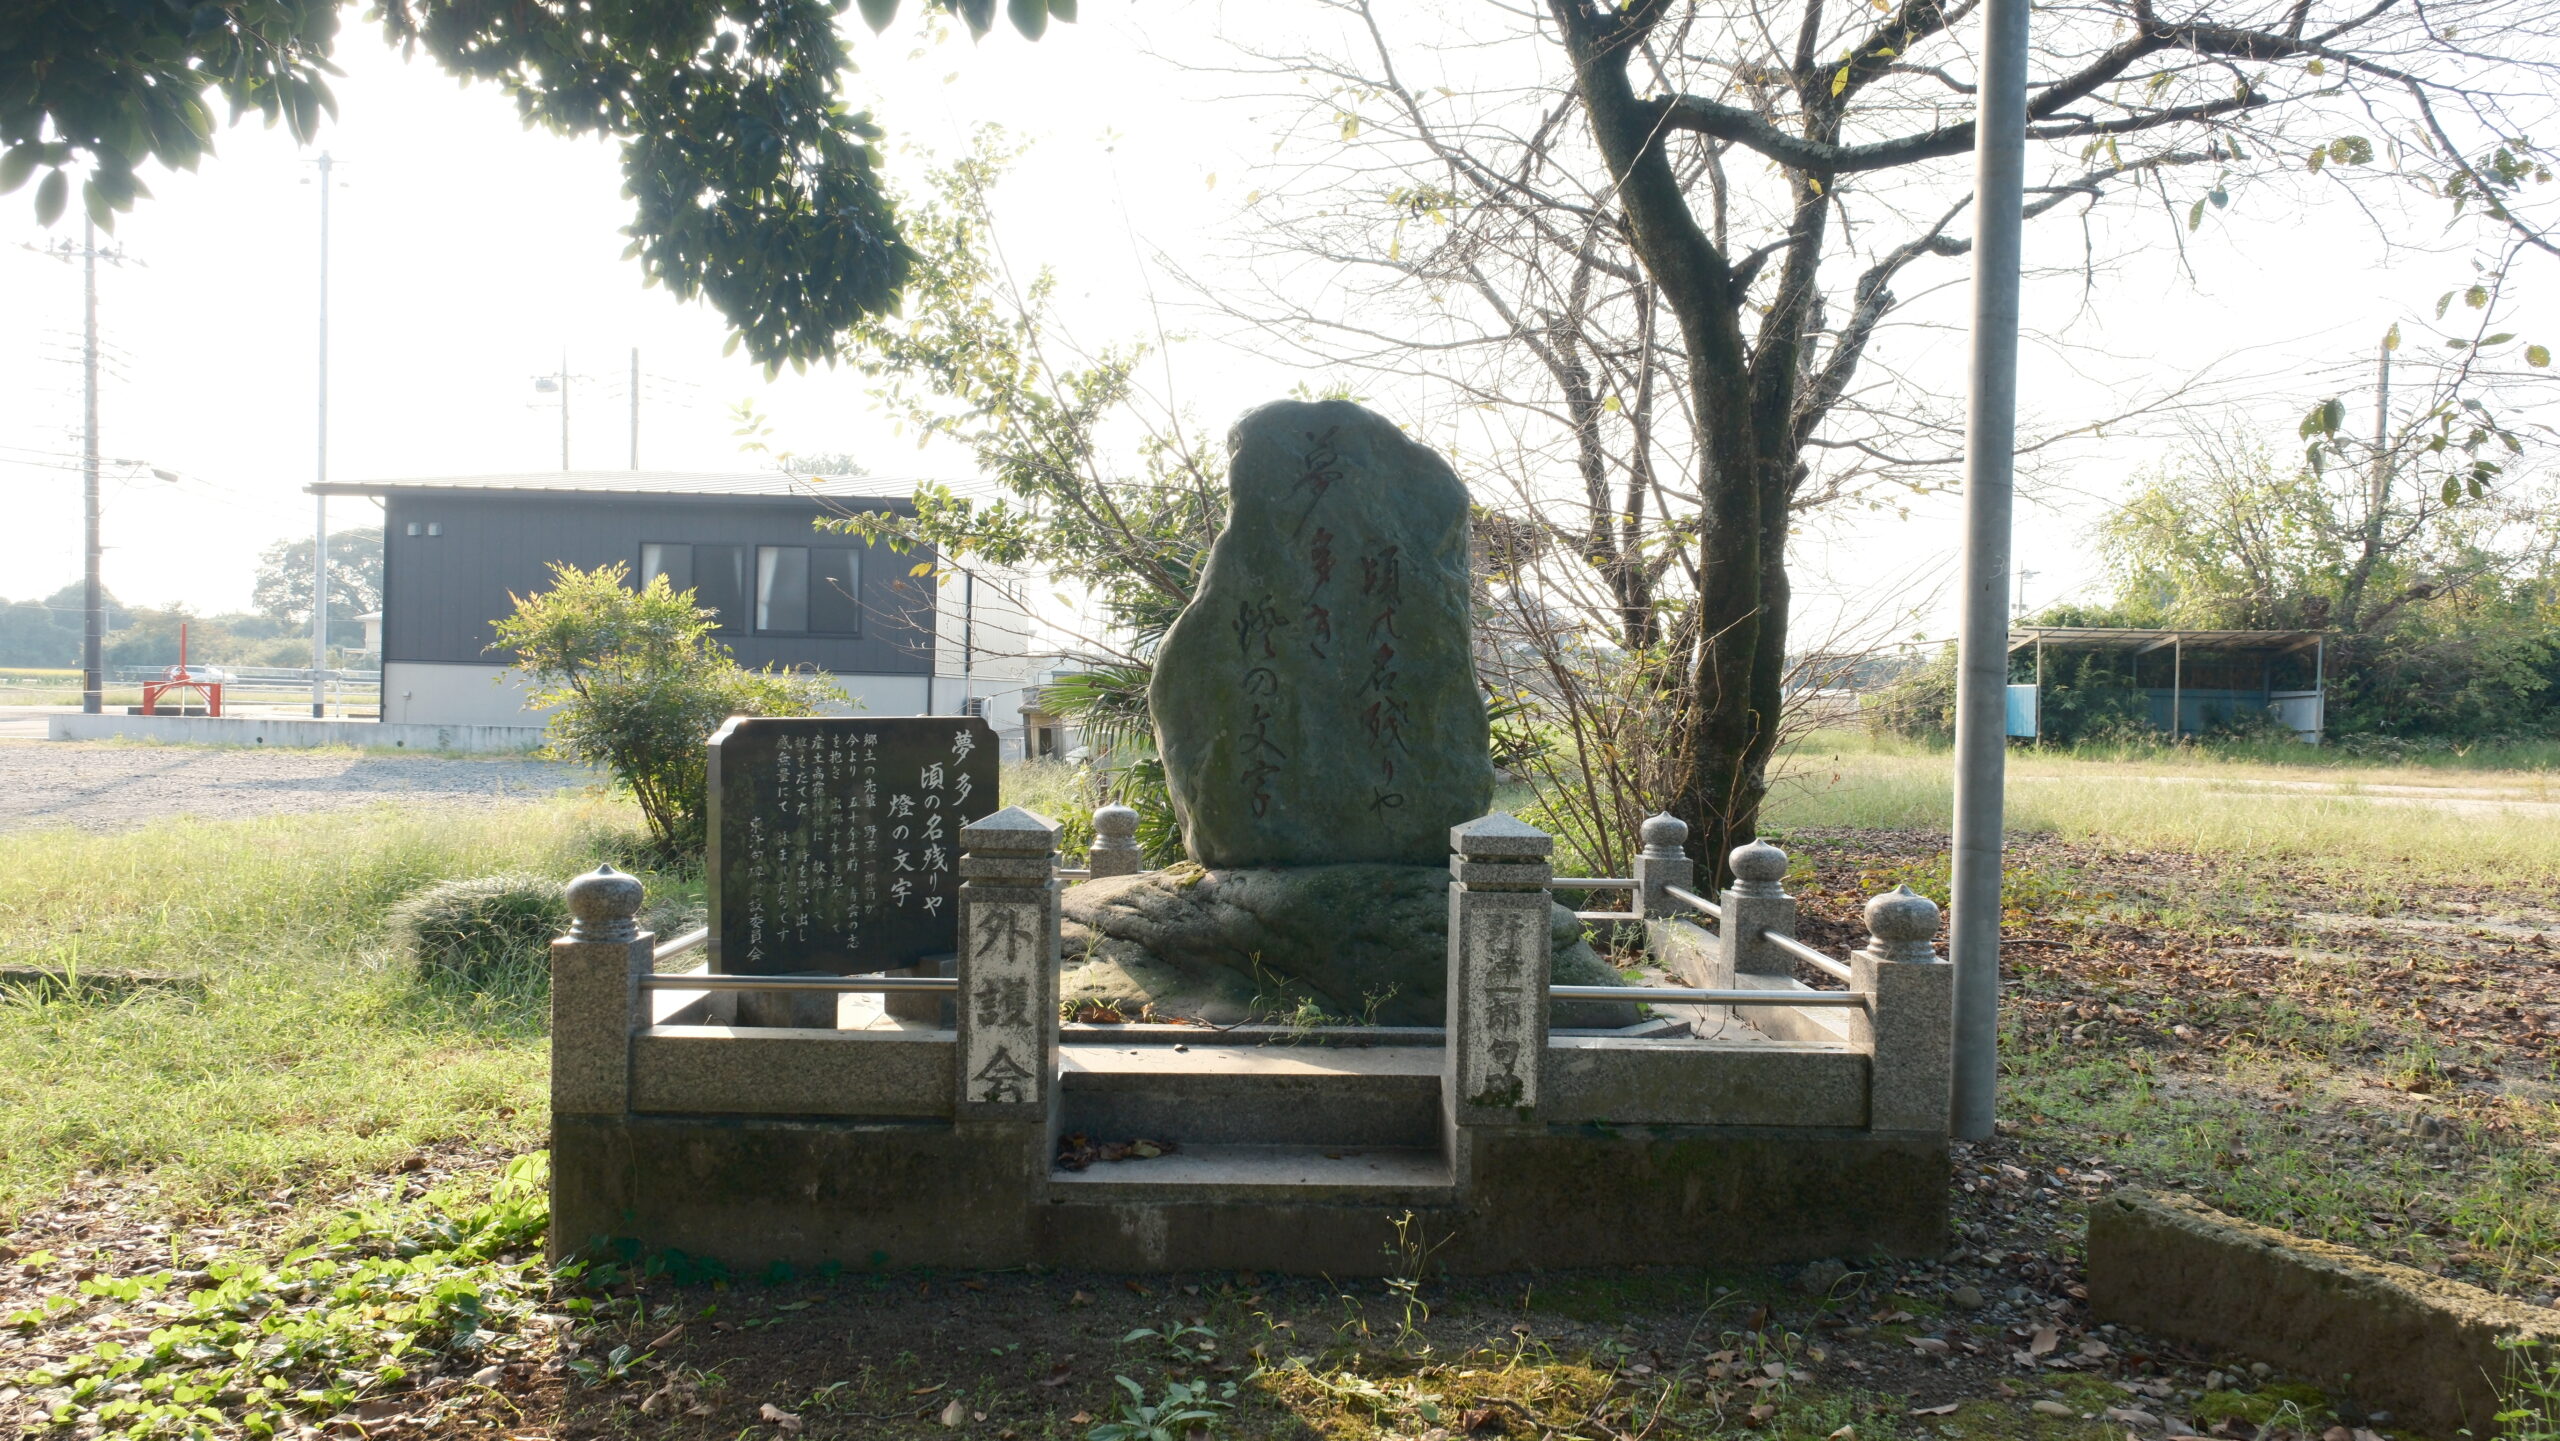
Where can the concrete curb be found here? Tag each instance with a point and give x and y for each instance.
(2395, 1338)
(292, 733)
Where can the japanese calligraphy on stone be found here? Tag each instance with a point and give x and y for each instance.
(834, 840)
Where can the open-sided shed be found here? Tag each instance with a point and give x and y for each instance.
(2192, 680)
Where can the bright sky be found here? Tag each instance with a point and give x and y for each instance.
(469, 255)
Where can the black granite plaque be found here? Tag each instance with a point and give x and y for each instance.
(835, 841)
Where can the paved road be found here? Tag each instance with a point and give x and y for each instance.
(112, 787)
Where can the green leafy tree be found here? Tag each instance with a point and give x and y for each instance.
(2444, 613)
(976, 358)
(754, 185)
(636, 684)
(283, 587)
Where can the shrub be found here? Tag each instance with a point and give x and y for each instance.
(484, 931)
(636, 684)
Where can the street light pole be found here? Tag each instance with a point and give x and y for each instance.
(93, 597)
(320, 500)
(1991, 428)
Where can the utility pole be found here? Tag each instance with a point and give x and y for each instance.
(1991, 432)
(93, 598)
(635, 407)
(557, 383)
(2024, 575)
(319, 499)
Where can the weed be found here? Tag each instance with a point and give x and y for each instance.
(1186, 1408)
(382, 1296)
(2530, 1409)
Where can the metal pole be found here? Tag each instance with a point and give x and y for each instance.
(2177, 687)
(319, 501)
(564, 408)
(93, 595)
(635, 406)
(1983, 656)
(968, 638)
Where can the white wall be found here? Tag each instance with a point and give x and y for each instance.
(420, 693)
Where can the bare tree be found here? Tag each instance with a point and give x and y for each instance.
(1663, 242)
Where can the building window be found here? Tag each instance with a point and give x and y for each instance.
(675, 562)
(798, 590)
(720, 583)
(835, 592)
(782, 589)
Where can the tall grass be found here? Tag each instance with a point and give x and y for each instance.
(2194, 802)
(313, 1052)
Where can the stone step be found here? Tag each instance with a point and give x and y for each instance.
(1211, 1094)
(1215, 1174)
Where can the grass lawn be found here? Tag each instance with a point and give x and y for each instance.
(2336, 1010)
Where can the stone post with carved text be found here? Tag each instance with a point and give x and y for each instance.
(1007, 1011)
(1499, 939)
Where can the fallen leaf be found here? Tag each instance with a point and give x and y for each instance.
(2051, 1408)
(1927, 1345)
(1845, 1433)
(1484, 1420)
(701, 1408)
(783, 1421)
(1948, 1409)
(2094, 1350)
(1057, 1378)
(1759, 1415)
(1134, 1286)
(488, 1375)
(954, 1413)
(928, 1390)
(2046, 1339)
(668, 1339)
(1081, 1298)
(1080, 1418)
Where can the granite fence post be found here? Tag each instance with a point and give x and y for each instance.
(1499, 953)
(1115, 844)
(596, 1000)
(1909, 1029)
(1007, 1012)
(1755, 903)
(1662, 862)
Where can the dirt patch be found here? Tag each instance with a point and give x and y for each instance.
(100, 787)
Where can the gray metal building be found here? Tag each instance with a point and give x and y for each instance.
(456, 551)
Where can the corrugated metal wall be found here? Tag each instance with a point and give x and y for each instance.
(441, 592)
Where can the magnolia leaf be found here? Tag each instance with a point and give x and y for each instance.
(878, 13)
(2477, 297)
(1031, 17)
(2316, 159)
(2391, 337)
(2501, 338)
(2537, 356)
(2442, 302)
(1840, 82)
(51, 195)
(2195, 216)
(15, 167)
(2452, 492)
(2318, 67)
(1611, 405)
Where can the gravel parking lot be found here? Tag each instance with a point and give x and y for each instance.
(114, 787)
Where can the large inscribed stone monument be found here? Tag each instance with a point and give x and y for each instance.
(835, 841)
(1317, 702)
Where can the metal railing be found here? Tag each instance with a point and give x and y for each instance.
(1808, 955)
(1593, 883)
(1694, 901)
(692, 940)
(1690, 996)
(728, 981)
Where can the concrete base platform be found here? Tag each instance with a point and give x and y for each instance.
(289, 733)
(751, 1191)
